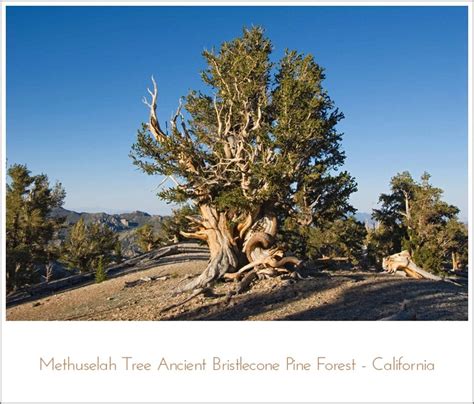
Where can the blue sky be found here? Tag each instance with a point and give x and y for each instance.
(76, 77)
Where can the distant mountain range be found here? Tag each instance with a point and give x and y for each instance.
(365, 217)
(130, 221)
(117, 222)
(125, 224)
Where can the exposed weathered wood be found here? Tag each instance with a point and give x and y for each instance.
(234, 276)
(223, 251)
(402, 261)
(244, 284)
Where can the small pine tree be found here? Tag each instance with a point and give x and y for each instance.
(118, 257)
(86, 243)
(100, 273)
(146, 238)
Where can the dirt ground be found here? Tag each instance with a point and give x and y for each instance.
(327, 295)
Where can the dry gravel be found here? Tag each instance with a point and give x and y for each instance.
(336, 295)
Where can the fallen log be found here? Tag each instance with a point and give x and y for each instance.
(142, 262)
(334, 259)
(147, 257)
(403, 262)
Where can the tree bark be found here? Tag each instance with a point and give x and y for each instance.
(455, 260)
(402, 261)
(49, 271)
(248, 246)
(11, 284)
(223, 252)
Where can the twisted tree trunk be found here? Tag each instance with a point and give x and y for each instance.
(12, 278)
(213, 228)
(248, 246)
(455, 261)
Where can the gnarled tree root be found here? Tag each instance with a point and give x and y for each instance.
(217, 267)
(244, 284)
(255, 239)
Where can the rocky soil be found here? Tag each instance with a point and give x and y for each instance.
(325, 295)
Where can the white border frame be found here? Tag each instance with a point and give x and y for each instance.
(383, 329)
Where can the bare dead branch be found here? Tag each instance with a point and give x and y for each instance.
(153, 124)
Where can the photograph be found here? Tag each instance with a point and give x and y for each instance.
(236, 163)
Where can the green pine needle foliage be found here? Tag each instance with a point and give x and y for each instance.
(100, 273)
(30, 231)
(414, 217)
(262, 134)
(86, 244)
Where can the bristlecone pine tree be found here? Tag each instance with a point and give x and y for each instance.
(29, 228)
(172, 226)
(341, 238)
(414, 217)
(147, 239)
(261, 148)
(85, 245)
